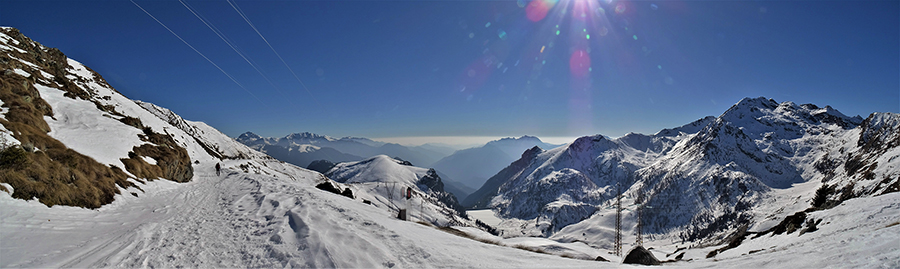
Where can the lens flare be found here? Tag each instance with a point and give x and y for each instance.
(537, 9)
(580, 63)
(620, 8)
(580, 10)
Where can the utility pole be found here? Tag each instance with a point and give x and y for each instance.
(618, 220)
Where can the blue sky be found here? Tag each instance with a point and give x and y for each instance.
(477, 68)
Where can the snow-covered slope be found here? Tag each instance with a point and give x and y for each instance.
(564, 185)
(258, 213)
(56, 106)
(384, 181)
(700, 181)
(214, 142)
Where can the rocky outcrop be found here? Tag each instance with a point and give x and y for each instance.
(640, 255)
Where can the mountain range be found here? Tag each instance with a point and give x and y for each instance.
(303, 148)
(463, 170)
(90, 178)
(701, 180)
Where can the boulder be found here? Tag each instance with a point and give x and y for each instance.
(640, 255)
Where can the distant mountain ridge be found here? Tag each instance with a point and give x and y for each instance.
(713, 172)
(474, 166)
(295, 148)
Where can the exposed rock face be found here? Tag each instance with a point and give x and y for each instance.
(321, 166)
(640, 255)
(432, 181)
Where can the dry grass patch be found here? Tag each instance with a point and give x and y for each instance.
(45, 168)
(63, 177)
(172, 161)
(54, 174)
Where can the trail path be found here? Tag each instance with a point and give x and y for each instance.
(238, 220)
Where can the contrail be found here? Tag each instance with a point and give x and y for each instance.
(233, 47)
(236, 8)
(198, 52)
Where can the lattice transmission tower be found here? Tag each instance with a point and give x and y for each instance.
(618, 220)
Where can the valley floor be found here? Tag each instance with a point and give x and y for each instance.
(253, 220)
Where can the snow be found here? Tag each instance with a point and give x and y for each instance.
(264, 213)
(860, 233)
(202, 133)
(75, 123)
(6, 39)
(8, 48)
(27, 63)
(149, 160)
(21, 72)
(305, 148)
(6, 138)
(380, 168)
(485, 215)
(383, 180)
(239, 220)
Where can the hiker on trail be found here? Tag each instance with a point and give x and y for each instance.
(217, 169)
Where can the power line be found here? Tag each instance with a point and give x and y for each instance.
(246, 19)
(221, 35)
(198, 52)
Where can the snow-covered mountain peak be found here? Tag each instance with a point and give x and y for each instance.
(379, 168)
(248, 136)
(881, 128)
(690, 128)
(637, 141)
(385, 178)
(589, 144)
(307, 137)
(362, 140)
(521, 138)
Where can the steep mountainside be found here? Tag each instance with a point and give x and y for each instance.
(52, 109)
(474, 166)
(701, 179)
